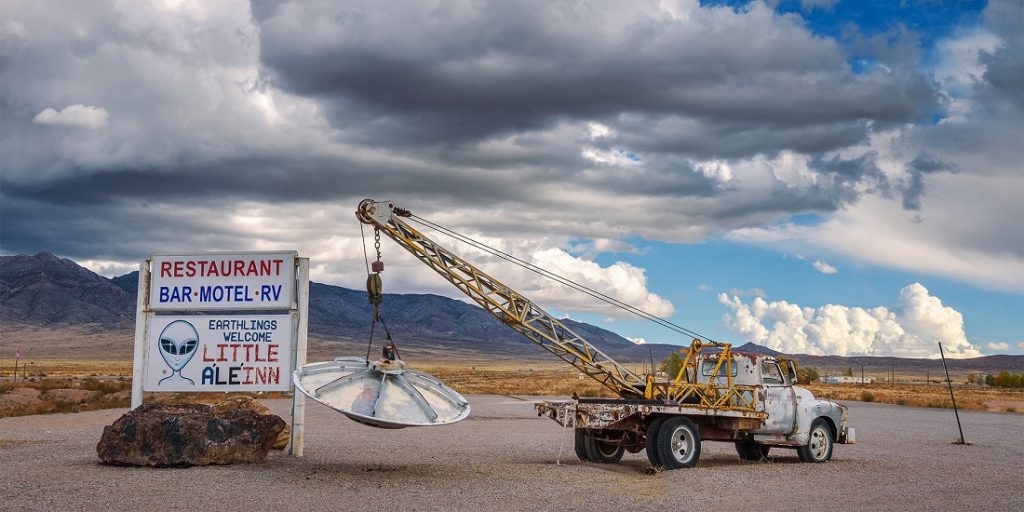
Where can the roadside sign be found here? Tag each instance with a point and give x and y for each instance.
(219, 353)
(212, 282)
(253, 341)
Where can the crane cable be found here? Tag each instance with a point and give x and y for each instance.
(375, 293)
(562, 280)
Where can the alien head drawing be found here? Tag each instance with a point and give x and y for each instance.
(178, 343)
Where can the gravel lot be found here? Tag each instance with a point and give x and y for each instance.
(504, 458)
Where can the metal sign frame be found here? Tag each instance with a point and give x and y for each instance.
(299, 311)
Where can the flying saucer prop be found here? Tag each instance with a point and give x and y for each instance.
(385, 394)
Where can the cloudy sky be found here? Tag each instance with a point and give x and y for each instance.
(817, 176)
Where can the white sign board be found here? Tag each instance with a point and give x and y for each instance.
(219, 282)
(219, 353)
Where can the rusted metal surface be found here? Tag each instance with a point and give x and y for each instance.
(703, 381)
(573, 413)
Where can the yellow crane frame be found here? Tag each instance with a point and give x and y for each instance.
(530, 320)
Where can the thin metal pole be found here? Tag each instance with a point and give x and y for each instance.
(950, 383)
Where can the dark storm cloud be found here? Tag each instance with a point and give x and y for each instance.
(920, 166)
(525, 119)
(260, 180)
(699, 139)
(418, 73)
(846, 180)
(1004, 68)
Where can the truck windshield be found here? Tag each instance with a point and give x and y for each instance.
(709, 367)
(770, 373)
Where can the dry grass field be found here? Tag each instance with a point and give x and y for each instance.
(58, 368)
(977, 398)
(530, 378)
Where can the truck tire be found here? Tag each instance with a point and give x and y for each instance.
(580, 444)
(819, 443)
(603, 452)
(651, 440)
(678, 443)
(752, 451)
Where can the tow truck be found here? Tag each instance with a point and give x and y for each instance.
(717, 394)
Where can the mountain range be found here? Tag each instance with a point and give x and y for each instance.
(53, 307)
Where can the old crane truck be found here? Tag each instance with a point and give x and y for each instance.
(747, 399)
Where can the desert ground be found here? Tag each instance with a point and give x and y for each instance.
(481, 377)
(504, 457)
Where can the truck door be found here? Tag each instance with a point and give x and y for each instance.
(779, 400)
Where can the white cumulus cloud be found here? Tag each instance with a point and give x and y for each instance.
(823, 267)
(81, 116)
(620, 280)
(638, 341)
(911, 329)
(997, 346)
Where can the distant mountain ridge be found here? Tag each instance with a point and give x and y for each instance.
(49, 292)
(46, 291)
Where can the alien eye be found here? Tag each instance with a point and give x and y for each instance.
(168, 346)
(188, 346)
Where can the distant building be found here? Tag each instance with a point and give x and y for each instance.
(843, 379)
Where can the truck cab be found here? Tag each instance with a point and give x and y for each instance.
(791, 409)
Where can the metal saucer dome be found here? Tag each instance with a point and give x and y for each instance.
(384, 394)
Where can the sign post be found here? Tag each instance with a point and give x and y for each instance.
(222, 322)
(302, 329)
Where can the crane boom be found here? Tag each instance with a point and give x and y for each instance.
(506, 304)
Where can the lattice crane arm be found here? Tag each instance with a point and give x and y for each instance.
(498, 299)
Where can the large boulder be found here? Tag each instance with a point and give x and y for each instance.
(188, 435)
(245, 402)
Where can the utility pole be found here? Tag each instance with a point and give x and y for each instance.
(953, 398)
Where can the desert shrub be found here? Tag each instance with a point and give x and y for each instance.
(6, 388)
(867, 396)
(671, 364)
(1006, 379)
(104, 386)
(901, 401)
(806, 375)
(48, 384)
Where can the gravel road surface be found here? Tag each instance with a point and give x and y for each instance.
(505, 458)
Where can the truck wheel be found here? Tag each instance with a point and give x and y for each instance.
(752, 451)
(580, 445)
(651, 441)
(678, 443)
(603, 452)
(819, 444)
